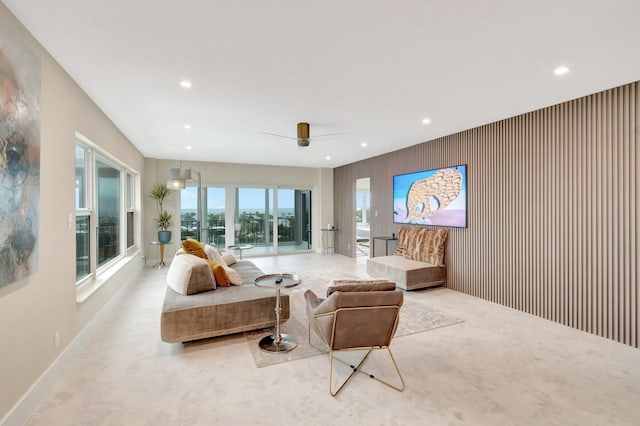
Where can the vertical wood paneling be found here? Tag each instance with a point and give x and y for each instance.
(552, 210)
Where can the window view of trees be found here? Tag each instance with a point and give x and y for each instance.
(254, 217)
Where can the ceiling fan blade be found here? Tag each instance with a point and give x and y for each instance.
(327, 135)
(279, 136)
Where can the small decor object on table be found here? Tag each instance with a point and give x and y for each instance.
(278, 342)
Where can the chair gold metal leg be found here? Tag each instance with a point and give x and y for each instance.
(353, 373)
(359, 370)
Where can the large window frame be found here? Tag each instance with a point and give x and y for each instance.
(272, 217)
(127, 218)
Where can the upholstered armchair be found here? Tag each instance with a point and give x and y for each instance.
(359, 316)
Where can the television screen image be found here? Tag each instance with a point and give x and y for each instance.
(431, 197)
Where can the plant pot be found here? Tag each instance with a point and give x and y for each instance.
(164, 237)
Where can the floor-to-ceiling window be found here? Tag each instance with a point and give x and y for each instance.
(215, 224)
(272, 220)
(189, 221)
(253, 218)
(294, 220)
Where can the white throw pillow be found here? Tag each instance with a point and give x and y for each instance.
(213, 254)
(229, 259)
(234, 276)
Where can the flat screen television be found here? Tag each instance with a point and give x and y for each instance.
(431, 197)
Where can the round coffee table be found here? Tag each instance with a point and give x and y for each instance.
(278, 342)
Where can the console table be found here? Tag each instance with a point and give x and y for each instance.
(328, 240)
(386, 240)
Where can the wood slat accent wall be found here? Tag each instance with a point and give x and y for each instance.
(552, 210)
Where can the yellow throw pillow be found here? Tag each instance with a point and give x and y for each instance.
(222, 279)
(194, 247)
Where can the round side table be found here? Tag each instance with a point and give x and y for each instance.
(278, 342)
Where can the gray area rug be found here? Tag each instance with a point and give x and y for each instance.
(415, 317)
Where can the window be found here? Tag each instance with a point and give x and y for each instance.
(83, 216)
(106, 200)
(130, 196)
(108, 203)
(189, 224)
(215, 223)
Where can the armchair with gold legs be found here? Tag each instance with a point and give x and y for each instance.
(356, 317)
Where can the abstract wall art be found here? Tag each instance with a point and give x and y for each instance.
(19, 159)
(431, 197)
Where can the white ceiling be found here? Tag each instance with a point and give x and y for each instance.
(369, 69)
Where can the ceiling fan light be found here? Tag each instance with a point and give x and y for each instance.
(303, 143)
(303, 131)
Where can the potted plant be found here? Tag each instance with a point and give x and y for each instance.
(159, 192)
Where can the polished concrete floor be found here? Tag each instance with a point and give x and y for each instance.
(498, 367)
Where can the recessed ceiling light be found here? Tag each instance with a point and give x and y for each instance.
(561, 70)
(185, 83)
(426, 121)
(187, 126)
(188, 147)
(363, 144)
(328, 157)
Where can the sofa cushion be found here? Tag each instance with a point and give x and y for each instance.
(188, 274)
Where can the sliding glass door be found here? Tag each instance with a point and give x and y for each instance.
(272, 220)
(294, 220)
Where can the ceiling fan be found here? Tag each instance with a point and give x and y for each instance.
(303, 137)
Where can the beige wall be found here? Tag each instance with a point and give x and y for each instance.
(319, 180)
(33, 309)
(553, 210)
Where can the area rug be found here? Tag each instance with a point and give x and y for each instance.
(415, 317)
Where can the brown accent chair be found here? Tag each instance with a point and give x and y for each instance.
(356, 317)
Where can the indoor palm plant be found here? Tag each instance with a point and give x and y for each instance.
(159, 192)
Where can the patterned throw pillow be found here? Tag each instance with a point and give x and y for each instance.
(194, 247)
(402, 239)
(428, 246)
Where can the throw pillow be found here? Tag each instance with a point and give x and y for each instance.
(428, 246)
(234, 276)
(194, 247)
(222, 279)
(214, 254)
(229, 259)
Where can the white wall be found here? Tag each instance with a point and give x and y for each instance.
(34, 308)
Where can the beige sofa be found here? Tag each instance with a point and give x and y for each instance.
(218, 312)
(418, 261)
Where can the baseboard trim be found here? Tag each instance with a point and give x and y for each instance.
(22, 410)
